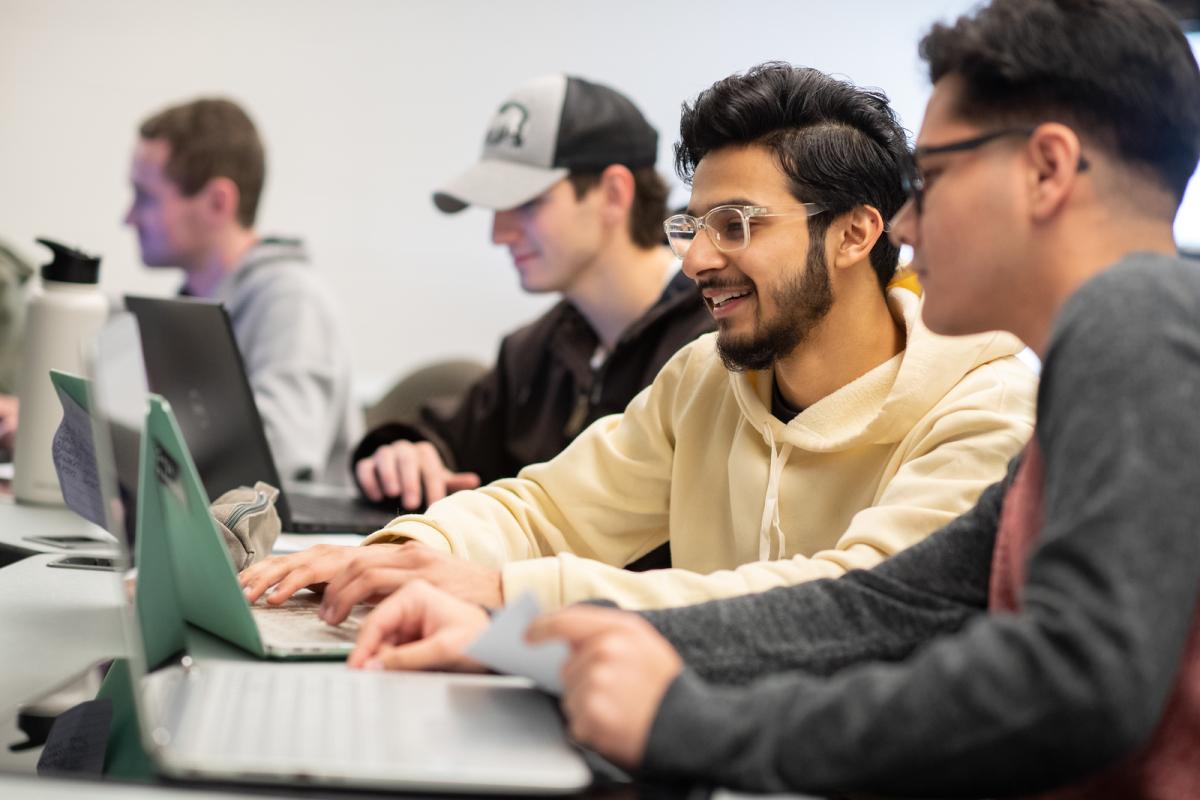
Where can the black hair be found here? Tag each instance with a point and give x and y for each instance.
(839, 145)
(1120, 72)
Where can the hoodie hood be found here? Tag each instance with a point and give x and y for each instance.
(268, 250)
(881, 406)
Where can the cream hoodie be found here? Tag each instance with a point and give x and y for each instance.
(747, 502)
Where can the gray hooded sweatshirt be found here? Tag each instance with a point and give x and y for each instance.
(296, 358)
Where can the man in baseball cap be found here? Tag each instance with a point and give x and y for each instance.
(568, 169)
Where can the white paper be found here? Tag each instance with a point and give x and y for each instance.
(75, 462)
(502, 647)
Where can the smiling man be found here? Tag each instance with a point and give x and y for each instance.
(1048, 641)
(822, 428)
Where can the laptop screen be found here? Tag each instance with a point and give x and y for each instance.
(192, 360)
(118, 393)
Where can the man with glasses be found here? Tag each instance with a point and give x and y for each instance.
(1048, 641)
(821, 429)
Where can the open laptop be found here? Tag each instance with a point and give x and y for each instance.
(181, 556)
(192, 359)
(312, 722)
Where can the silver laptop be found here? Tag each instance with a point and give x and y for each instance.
(312, 722)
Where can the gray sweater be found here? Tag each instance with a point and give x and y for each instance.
(297, 360)
(898, 680)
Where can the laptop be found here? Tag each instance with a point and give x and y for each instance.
(181, 556)
(192, 359)
(308, 722)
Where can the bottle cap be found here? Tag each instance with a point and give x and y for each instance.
(70, 265)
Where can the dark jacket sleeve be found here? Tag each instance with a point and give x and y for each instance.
(1014, 702)
(471, 432)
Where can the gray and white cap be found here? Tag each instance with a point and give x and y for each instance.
(542, 132)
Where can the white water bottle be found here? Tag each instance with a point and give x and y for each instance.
(63, 317)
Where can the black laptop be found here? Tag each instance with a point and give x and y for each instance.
(192, 360)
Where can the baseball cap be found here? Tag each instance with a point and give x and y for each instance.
(542, 132)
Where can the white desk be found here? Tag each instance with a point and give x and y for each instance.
(33, 788)
(56, 623)
(17, 522)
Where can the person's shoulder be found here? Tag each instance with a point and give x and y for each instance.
(280, 270)
(1137, 280)
(537, 332)
(1130, 319)
(696, 363)
(1141, 296)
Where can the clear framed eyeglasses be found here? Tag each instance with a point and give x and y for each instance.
(728, 227)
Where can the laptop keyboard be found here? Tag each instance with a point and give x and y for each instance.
(339, 514)
(258, 714)
(330, 724)
(295, 624)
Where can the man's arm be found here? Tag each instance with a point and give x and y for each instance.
(932, 588)
(949, 457)
(419, 461)
(468, 434)
(605, 497)
(1015, 702)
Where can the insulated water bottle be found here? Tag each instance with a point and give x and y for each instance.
(63, 316)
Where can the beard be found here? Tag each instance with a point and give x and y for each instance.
(803, 301)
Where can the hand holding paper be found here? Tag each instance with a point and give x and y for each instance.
(503, 647)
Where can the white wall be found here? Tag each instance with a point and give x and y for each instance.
(365, 107)
(1187, 221)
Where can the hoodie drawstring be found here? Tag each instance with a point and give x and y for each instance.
(770, 517)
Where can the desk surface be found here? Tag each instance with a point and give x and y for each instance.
(34, 788)
(57, 623)
(18, 522)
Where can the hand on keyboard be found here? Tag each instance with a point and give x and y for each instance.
(371, 578)
(311, 568)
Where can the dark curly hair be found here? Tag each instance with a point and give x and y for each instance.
(838, 144)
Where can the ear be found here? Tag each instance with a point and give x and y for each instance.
(221, 198)
(617, 190)
(854, 235)
(1054, 153)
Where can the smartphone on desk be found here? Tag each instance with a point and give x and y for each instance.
(69, 542)
(85, 562)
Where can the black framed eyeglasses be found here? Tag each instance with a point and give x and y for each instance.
(913, 182)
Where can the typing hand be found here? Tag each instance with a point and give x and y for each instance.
(313, 568)
(614, 680)
(365, 578)
(403, 468)
(419, 627)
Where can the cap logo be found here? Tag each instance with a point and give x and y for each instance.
(509, 123)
